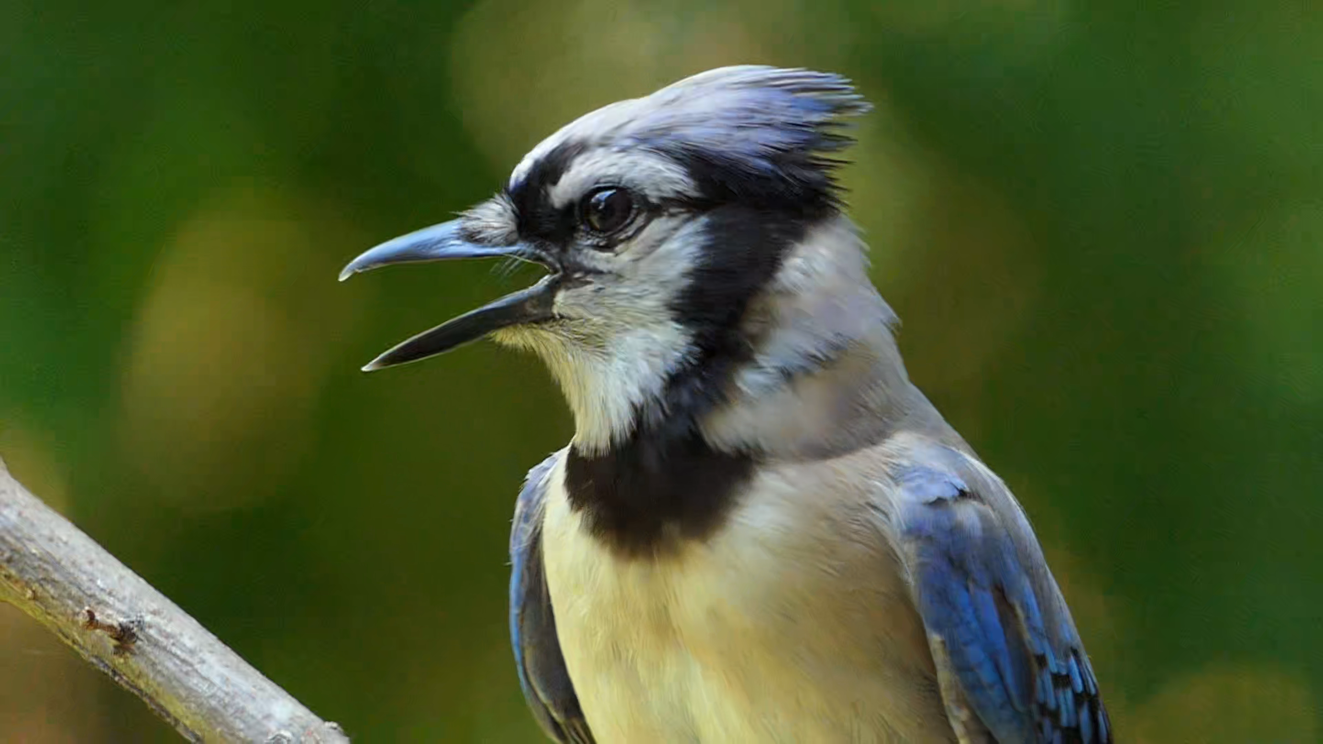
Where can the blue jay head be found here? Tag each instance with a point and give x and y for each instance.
(658, 219)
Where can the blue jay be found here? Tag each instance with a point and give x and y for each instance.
(761, 531)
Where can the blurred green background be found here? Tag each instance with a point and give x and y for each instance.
(1099, 221)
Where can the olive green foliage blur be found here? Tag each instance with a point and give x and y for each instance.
(1099, 221)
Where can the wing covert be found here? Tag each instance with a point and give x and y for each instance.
(542, 673)
(1011, 665)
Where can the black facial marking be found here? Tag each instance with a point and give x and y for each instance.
(665, 483)
(798, 183)
(537, 219)
(745, 248)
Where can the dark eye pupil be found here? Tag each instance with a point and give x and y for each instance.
(608, 210)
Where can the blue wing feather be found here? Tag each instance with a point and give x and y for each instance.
(542, 673)
(1021, 670)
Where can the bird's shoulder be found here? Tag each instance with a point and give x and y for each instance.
(1010, 661)
(531, 502)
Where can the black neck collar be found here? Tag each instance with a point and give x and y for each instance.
(665, 483)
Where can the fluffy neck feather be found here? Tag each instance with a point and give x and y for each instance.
(827, 376)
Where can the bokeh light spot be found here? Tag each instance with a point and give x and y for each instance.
(230, 350)
(1229, 705)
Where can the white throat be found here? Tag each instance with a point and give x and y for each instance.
(606, 383)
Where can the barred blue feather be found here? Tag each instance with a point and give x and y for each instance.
(1022, 671)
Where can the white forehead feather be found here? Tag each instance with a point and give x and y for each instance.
(645, 172)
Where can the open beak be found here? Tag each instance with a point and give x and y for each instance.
(442, 243)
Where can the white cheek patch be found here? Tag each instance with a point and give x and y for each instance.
(656, 261)
(606, 394)
(605, 378)
(619, 342)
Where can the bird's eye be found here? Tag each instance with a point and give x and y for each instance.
(607, 210)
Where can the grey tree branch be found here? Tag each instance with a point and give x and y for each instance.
(52, 571)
